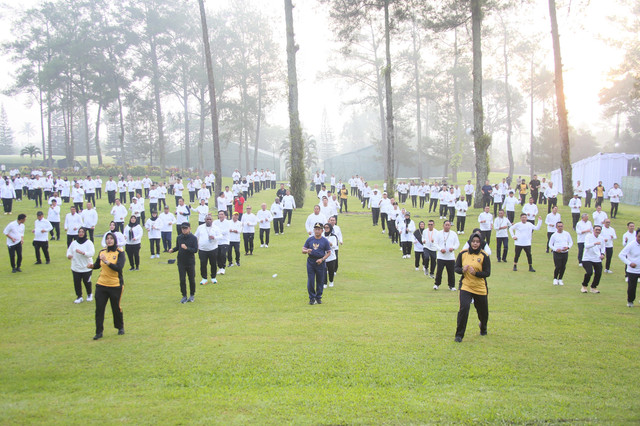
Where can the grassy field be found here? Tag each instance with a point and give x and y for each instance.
(379, 349)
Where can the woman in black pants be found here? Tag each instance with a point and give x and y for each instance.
(133, 236)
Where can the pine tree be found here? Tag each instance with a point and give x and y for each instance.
(6, 133)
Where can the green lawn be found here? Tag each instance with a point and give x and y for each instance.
(379, 349)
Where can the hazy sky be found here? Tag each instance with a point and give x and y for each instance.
(587, 60)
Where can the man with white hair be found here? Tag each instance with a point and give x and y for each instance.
(313, 218)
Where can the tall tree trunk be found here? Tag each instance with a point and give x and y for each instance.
(97, 141)
(240, 146)
(187, 136)
(458, 109)
(121, 135)
(212, 97)
(390, 177)
(507, 93)
(531, 121)
(87, 141)
(201, 134)
(246, 149)
(380, 95)
(416, 76)
(259, 117)
(481, 141)
(156, 93)
(563, 123)
(41, 102)
(49, 132)
(298, 182)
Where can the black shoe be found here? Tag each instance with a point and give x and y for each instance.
(499, 260)
(121, 332)
(132, 269)
(515, 268)
(137, 269)
(38, 262)
(458, 339)
(191, 299)
(531, 269)
(18, 270)
(47, 262)
(318, 301)
(14, 270)
(97, 336)
(183, 300)
(482, 332)
(312, 302)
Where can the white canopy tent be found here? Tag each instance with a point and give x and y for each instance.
(608, 168)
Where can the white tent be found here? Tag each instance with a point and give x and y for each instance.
(608, 168)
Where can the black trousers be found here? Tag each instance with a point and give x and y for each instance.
(247, 237)
(37, 196)
(18, 194)
(78, 279)
(511, 215)
(287, 215)
(632, 284)
(222, 255)
(161, 203)
(560, 262)
(133, 254)
(580, 252)
(70, 239)
(591, 268)
(343, 205)
(609, 255)
(187, 270)
(552, 202)
(452, 213)
(365, 202)
(166, 240)
(154, 245)
(123, 197)
(527, 251)
(330, 270)
(429, 261)
(614, 210)
(414, 201)
(393, 232)
(496, 206)
(384, 217)
(278, 225)
(523, 199)
(443, 210)
(111, 197)
(44, 246)
(422, 200)
(486, 235)
(7, 204)
(534, 195)
(406, 248)
(234, 246)
(90, 197)
(375, 214)
(549, 234)
(337, 259)
(99, 193)
(480, 302)
(207, 258)
(78, 206)
(108, 294)
(449, 265)
(56, 229)
(264, 236)
(15, 255)
(433, 203)
(502, 243)
(486, 200)
(468, 197)
(418, 255)
(575, 217)
(460, 221)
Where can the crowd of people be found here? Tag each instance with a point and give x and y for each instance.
(225, 220)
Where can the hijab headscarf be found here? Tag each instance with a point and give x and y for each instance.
(326, 234)
(480, 247)
(418, 232)
(83, 239)
(115, 241)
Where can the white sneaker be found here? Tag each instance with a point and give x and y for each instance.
(261, 245)
(626, 279)
(153, 256)
(453, 289)
(266, 246)
(331, 284)
(417, 269)
(90, 298)
(383, 231)
(609, 271)
(325, 286)
(288, 224)
(230, 265)
(78, 300)
(629, 305)
(560, 282)
(580, 264)
(158, 256)
(555, 281)
(237, 264)
(203, 282)
(435, 287)
(221, 271)
(214, 281)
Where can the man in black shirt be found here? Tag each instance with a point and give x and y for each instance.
(534, 185)
(486, 194)
(187, 247)
(281, 192)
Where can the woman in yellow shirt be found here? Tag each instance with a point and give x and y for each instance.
(344, 193)
(110, 284)
(474, 266)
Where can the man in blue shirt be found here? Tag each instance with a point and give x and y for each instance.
(317, 249)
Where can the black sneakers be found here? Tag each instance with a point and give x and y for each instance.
(183, 300)
(121, 332)
(99, 336)
(458, 339)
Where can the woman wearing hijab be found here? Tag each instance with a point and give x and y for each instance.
(406, 228)
(110, 284)
(418, 247)
(81, 252)
(133, 236)
(475, 266)
(485, 247)
(113, 226)
(154, 231)
(331, 261)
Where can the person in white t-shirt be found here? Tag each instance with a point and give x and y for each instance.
(522, 233)
(446, 243)
(609, 236)
(583, 228)
(560, 243)
(599, 216)
(502, 224)
(510, 206)
(574, 204)
(461, 214)
(594, 253)
(615, 194)
(551, 220)
(264, 223)
(485, 219)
